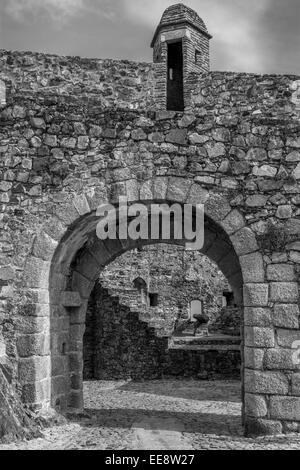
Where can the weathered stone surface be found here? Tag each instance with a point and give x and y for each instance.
(256, 201)
(252, 267)
(14, 422)
(37, 122)
(178, 137)
(34, 369)
(262, 427)
(285, 408)
(259, 337)
(257, 154)
(284, 212)
(284, 292)
(71, 299)
(81, 204)
(296, 172)
(253, 358)
(160, 187)
(44, 247)
(37, 393)
(281, 359)
(293, 156)
(287, 338)
(196, 139)
(244, 241)
(197, 195)
(255, 405)
(221, 134)
(178, 189)
(215, 150)
(63, 152)
(265, 170)
(33, 345)
(257, 316)
(233, 222)
(36, 273)
(256, 295)
(281, 272)
(293, 142)
(262, 382)
(7, 273)
(296, 385)
(286, 316)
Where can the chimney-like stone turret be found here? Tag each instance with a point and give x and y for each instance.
(181, 42)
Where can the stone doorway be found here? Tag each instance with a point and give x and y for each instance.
(81, 269)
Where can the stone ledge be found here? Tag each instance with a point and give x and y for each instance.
(71, 299)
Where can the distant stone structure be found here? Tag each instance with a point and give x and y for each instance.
(79, 132)
(157, 285)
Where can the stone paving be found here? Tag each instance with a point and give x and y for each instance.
(156, 415)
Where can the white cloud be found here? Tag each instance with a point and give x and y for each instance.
(57, 10)
(60, 11)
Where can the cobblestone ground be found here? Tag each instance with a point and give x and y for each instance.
(157, 414)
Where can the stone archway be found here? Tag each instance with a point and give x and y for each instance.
(62, 284)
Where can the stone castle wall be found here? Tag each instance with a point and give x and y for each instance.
(77, 132)
(177, 277)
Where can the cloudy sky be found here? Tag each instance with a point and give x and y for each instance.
(261, 36)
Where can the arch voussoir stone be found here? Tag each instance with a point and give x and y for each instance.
(82, 284)
(55, 228)
(88, 266)
(44, 246)
(197, 194)
(36, 273)
(252, 266)
(81, 204)
(244, 241)
(97, 196)
(160, 187)
(233, 222)
(217, 207)
(178, 189)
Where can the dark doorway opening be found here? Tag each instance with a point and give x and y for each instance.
(153, 300)
(175, 100)
(229, 299)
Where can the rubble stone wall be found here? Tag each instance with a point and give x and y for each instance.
(75, 133)
(177, 277)
(119, 346)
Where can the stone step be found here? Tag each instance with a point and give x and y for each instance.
(206, 343)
